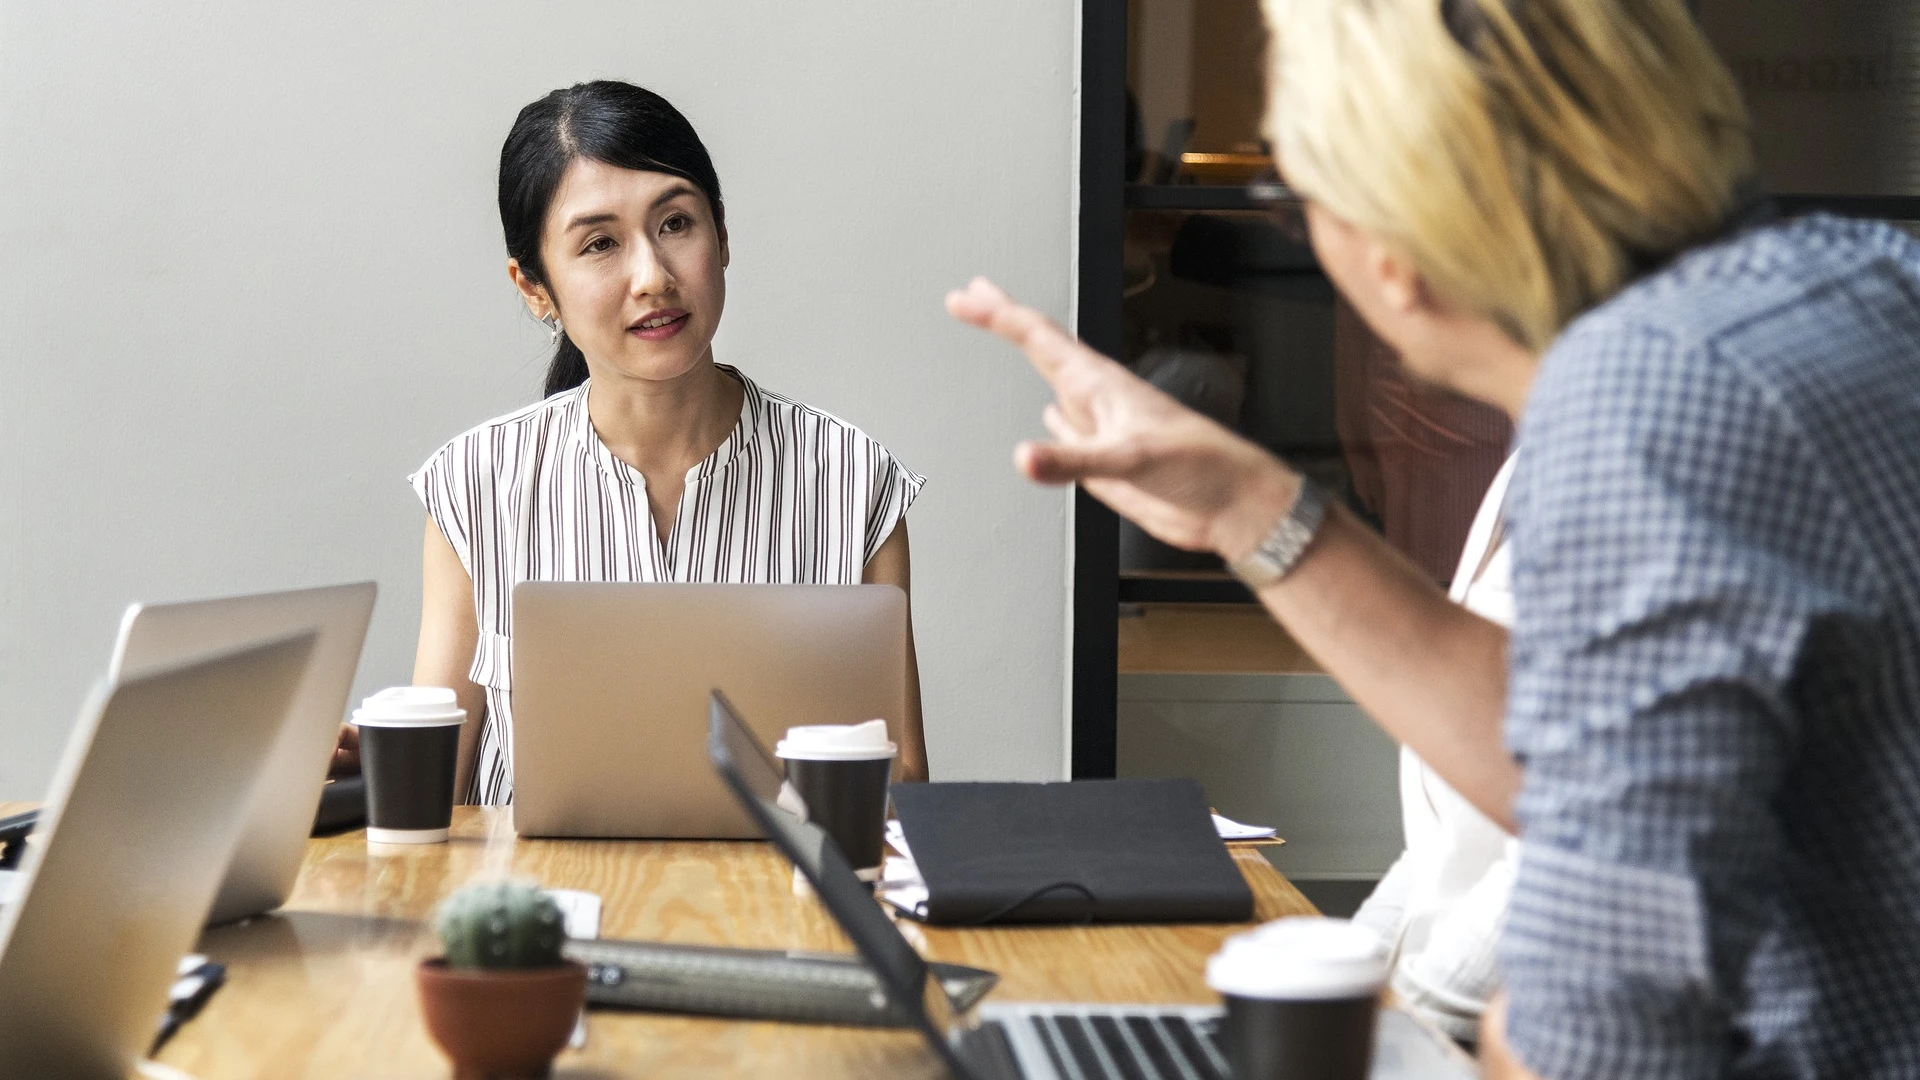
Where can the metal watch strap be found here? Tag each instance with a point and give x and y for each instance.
(1283, 547)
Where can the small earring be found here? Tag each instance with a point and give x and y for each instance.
(553, 327)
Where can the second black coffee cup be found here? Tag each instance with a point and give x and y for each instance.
(841, 772)
(1301, 998)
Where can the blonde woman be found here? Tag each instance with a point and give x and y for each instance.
(1711, 691)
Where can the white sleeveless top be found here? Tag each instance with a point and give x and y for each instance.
(1441, 907)
(793, 496)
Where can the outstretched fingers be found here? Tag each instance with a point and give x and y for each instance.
(986, 305)
(1061, 463)
(975, 302)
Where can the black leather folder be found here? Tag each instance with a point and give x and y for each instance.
(1087, 851)
(343, 806)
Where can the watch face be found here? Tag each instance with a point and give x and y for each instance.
(1282, 548)
(1259, 568)
(1284, 545)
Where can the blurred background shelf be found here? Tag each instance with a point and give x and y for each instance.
(1183, 587)
(1897, 208)
(1204, 197)
(1208, 639)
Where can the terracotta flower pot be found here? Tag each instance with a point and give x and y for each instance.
(501, 1024)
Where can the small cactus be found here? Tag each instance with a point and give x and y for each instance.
(500, 926)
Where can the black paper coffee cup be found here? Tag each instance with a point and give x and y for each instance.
(409, 743)
(841, 773)
(1302, 996)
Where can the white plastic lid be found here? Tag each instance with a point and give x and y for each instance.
(1299, 958)
(837, 742)
(410, 706)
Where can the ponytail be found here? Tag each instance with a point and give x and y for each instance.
(568, 368)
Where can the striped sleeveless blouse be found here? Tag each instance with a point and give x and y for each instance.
(793, 495)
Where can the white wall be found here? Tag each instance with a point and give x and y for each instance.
(251, 275)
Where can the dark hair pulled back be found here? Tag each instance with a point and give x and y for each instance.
(612, 122)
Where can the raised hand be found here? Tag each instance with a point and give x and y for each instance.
(1178, 475)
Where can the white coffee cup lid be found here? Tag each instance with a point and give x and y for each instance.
(837, 742)
(1302, 957)
(410, 706)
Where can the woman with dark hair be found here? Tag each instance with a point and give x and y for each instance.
(647, 461)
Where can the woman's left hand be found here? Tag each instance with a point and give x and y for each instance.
(346, 752)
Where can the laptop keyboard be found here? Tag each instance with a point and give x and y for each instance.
(1139, 1046)
(1097, 1042)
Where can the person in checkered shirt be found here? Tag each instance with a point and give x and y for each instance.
(1705, 723)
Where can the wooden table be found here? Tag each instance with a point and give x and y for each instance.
(324, 988)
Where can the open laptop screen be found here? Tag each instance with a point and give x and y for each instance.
(756, 779)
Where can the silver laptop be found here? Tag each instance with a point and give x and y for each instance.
(610, 685)
(143, 815)
(1051, 1041)
(276, 823)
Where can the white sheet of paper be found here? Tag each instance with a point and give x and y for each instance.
(899, 870)
(897, 837)
(900, 882)
(581, 910)
(911, 899)
(1230, 829)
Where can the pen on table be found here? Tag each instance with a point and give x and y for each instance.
(189, 994)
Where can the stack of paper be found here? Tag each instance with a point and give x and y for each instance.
(1233, 830)
(900, 881)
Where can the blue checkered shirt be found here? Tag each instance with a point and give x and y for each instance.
(1715, 670)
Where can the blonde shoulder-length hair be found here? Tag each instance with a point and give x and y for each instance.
(1525, 155)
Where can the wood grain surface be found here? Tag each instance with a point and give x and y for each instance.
(324, 987)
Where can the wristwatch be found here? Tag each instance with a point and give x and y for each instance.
(1276, 555)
